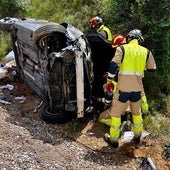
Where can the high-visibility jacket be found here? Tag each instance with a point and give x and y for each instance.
(109, 34)
(134, 60)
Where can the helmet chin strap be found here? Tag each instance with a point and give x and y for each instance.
(128, 39)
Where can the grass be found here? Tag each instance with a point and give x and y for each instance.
(158, 126)
(158, 121)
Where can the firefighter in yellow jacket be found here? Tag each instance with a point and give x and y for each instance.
(110, 89)
(132, 59)
(97, 23)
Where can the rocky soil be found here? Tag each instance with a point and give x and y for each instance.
(27, 142)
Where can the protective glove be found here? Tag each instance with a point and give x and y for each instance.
(108, 87)
(109, 90)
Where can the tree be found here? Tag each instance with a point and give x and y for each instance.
(10, 8)
(152, 17)
(13, 8)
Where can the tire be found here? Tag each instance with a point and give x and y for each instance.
(52, 116)
(45, 31)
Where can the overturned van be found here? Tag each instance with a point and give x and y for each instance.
(55, 61)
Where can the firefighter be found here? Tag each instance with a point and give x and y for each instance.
(110, 89)
(97, 23)
(131, 59)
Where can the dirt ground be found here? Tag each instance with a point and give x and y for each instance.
(27, 142)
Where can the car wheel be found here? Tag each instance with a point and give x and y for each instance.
(45, 31)
(52, 116)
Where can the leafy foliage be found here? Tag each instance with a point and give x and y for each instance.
(12, 8)
(76, 12)
(152, 17)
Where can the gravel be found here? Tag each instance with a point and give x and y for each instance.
(31, 144)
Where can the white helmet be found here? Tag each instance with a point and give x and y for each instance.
(135, 34)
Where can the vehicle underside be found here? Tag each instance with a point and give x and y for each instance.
(61, 65)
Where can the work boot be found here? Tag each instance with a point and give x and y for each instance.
(107, 139)
(136, 141)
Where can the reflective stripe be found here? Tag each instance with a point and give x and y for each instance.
(130, 73)
(137, 124)
(107, 101)
(106, 121)
(115, 128)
